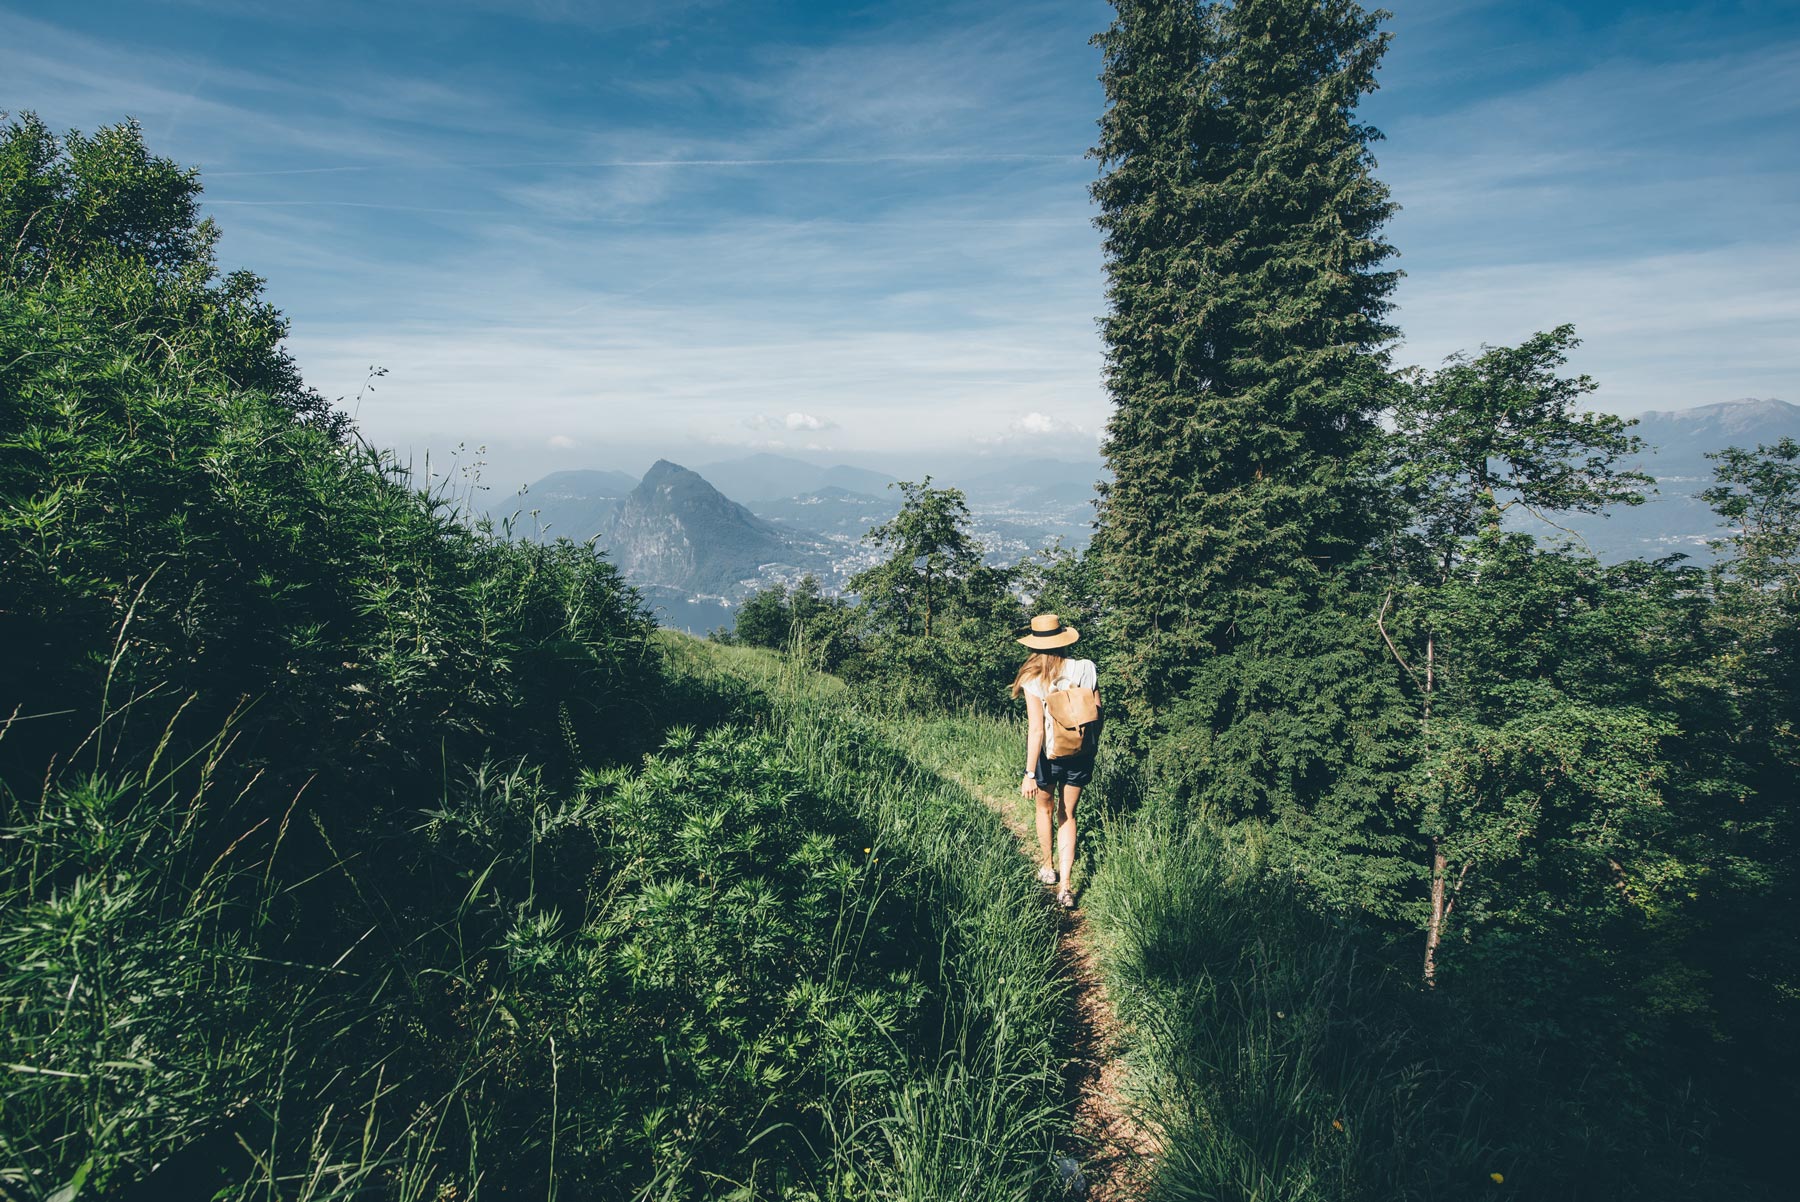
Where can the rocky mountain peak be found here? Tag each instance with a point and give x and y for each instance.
(677, 531)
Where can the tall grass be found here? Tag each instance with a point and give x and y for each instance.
(978, 1116)
(352, 850)
(1280, 1052)
(150, 1031)
(1285, 1054)
(682, 977)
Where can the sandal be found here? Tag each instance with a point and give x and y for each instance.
(1046, 875)
(1066, 900)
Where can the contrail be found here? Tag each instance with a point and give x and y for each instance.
(794, 161)
(1007, 223)
(355, 204)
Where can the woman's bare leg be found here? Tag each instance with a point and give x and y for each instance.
(1045, 803)
(1065, 834)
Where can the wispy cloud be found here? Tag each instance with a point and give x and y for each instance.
(795, 421)
(1643, 190)
(581, 226)
(1661, 331)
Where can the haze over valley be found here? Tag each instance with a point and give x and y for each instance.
(697, 541)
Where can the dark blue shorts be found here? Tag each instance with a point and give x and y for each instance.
(1077, 770)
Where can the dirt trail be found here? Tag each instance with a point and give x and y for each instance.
(1114, 1151)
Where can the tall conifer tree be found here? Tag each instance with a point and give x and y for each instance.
(1246, 326)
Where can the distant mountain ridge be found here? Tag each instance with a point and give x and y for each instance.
(1680, 438)
(576, 505)
(1674, 520)
(767, 477)
(1747, 416)
(698, 544)
(831, 510)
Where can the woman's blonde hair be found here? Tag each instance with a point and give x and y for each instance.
(1042, 667)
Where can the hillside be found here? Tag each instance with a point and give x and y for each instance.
(839, 512)
(425, 868)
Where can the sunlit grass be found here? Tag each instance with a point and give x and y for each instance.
(878, 1018)
(978, 1121)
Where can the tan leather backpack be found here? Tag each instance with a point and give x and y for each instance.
(1074, 722)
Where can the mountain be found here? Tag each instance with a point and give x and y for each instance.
(766, 477)
(1674, 520)
(591, 482)
(676, 531)
(857, 479)
(575, 504)
(1681, 437)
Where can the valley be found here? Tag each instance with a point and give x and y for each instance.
(698, 541)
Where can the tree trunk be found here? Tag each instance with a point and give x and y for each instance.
(1434, 933)
(1430, 680)
(928, 598)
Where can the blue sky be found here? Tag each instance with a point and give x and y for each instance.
(593, 233)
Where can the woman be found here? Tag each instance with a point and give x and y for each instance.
(1056, 784)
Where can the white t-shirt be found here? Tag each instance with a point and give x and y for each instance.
(1075, 673)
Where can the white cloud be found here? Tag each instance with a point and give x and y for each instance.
(561, 442)
(1037, 427)
(793, 421)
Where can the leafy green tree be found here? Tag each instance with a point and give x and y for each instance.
(934, 623)
(1758, 495)
(807, 600)
(109, 226)
(1481, 435)
(929, 550)
(1472, 440)
(1245, 325)
(1062, 581)
(1540, 796)
(764, 620)
(1745, 704)
(823, 629)
(85, 201)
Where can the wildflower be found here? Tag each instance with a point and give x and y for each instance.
(1497, 1178)
(865, 851)
(1336, 1125)
(1281, 1014)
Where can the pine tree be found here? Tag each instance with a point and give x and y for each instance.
(1245, 327)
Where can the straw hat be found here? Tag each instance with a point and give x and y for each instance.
(1046, 632)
